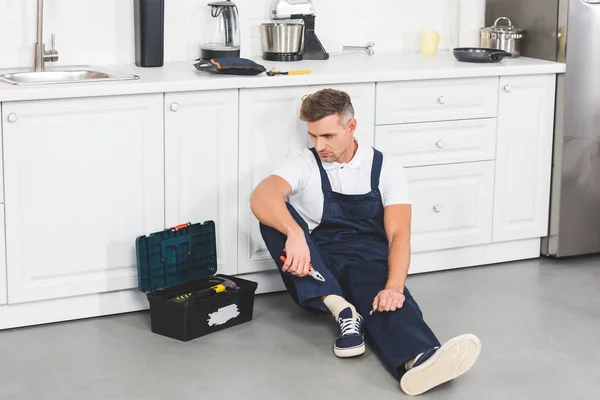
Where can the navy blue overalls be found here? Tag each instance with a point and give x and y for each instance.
(350, 249)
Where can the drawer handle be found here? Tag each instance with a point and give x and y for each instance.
(12, 117)
(174, 107)
(437, 208)
(441, 100)
(439, 143)
(507, 88)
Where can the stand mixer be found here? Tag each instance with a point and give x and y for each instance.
(284, 41)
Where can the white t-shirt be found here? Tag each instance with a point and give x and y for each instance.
(301, 171)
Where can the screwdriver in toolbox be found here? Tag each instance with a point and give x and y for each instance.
(312, 272)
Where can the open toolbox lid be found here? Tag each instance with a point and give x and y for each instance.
(181, 254)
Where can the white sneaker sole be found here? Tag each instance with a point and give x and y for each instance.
(349, 352)
(451, 360)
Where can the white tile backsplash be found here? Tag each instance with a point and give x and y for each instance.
(101, 31)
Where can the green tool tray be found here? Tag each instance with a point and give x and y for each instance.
(175, 256)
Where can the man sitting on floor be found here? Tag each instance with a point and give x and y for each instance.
(348, 217)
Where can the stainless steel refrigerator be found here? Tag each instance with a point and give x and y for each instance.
(567, 30)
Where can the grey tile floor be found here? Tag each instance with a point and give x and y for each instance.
(539, 322)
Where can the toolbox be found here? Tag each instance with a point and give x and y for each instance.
(177, 270)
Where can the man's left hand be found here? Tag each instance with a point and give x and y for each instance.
(388, 300)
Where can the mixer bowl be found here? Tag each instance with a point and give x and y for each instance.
(283, 38)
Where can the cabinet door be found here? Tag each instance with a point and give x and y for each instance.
(201, 165)
(270, 130)
(524, 157)
(452, 205)
(83, 178)
(363, 101)
(3, 298)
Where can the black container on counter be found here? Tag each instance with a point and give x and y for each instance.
(149, 21)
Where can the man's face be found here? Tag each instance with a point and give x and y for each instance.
(331, 138)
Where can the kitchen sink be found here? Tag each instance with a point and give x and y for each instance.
(63, 76)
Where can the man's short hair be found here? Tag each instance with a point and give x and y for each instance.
(326, 102)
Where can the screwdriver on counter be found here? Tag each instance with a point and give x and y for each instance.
(272, 72)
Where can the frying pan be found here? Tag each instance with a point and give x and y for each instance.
(479, 54)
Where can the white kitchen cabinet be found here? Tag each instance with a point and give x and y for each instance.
(1, 166)
(3, 296)
(270, 130)
(452, 205)
(436, 100)
(434, 143)
(83, 178)
(524, 157)
(201, 165)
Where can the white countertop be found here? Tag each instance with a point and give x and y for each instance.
(340, 68)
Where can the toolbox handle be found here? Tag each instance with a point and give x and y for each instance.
(180, 226)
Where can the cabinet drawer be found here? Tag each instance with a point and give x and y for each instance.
(452, 205)
(436, 100)
(439, 142)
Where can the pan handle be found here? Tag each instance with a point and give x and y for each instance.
(499, 55)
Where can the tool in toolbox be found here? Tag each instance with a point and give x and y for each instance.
(273, 72)
(312, 272)
(224, 285)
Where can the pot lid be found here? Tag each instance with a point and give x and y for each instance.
(507, 29)
(222, 4)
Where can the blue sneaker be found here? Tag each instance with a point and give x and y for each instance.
(350, 342)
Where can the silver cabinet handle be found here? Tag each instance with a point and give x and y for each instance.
(439, 143)
(174, 106)
(437, 208)
(441, 100)
(507, 88)
(12, 117)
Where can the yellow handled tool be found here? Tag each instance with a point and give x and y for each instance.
(272, 72)
(202, 293)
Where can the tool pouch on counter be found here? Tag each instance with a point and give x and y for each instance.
(176, 263)
(230, 66)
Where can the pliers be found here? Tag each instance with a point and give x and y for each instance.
(312, 272)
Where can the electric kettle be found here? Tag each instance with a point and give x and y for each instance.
(221, 31)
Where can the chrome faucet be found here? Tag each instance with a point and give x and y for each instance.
(41, 55)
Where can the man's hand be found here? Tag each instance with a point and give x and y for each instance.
(388, 300)
(297, 255)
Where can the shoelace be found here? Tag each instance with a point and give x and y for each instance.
(349, 326)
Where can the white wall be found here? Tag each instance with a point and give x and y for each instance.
(101, 31)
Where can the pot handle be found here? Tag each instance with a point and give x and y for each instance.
(503, 18)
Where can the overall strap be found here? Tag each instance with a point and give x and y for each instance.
(376, 169)
(325, 185)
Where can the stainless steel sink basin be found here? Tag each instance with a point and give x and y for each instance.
(63, 76)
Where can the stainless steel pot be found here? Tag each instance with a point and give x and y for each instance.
(283, 38)
(501, 37)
